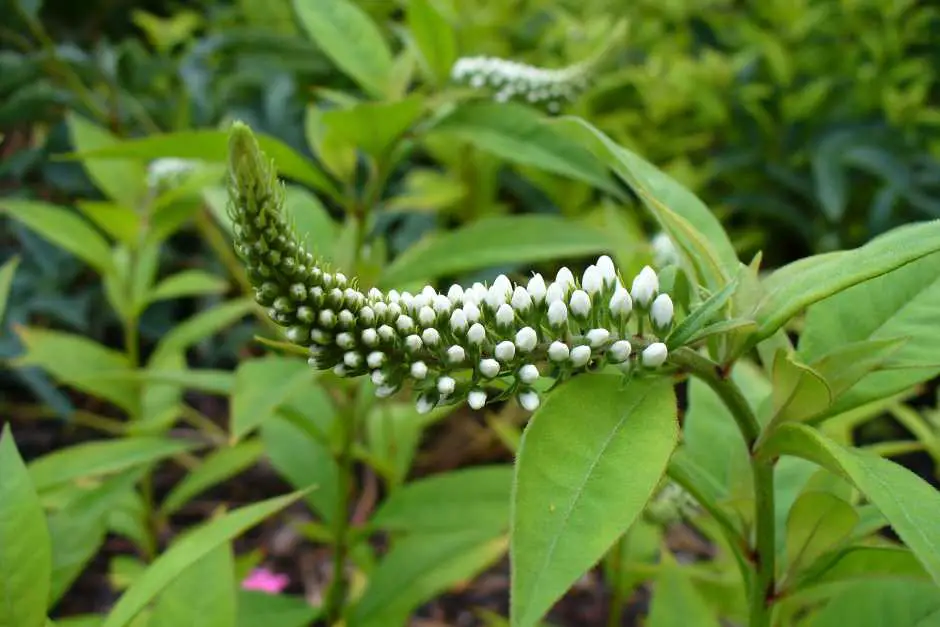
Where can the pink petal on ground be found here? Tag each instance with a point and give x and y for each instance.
(266, 581)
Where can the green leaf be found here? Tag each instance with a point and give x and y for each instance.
(260, 386)
(188, 283)
(846, 365)
(311, 221)
(202, 595)
(64, 229)
(257, 608)
(217, 467)
(93, 459)
(188, 550)
(698, 234)
(910, 504)
(25, 553)
(80, 363)
(212, 146)
(798, 285)
(417, 569)
(882, 603)
(7, 271)
(350, 39)
(676, 602)
(701, 316)
(522, 135)
(577, 489)
(121, 223)
(817, 523)
(434, 37)
(900, 304)
(121, 179)
(798, 391)
(204, 324)
(495, 241)
(220, 382)
(374, 126)
(461, 500)
(863, 562)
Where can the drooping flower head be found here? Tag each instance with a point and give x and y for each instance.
(510, 80)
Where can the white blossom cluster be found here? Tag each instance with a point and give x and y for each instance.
(168, 172)
(511, 80)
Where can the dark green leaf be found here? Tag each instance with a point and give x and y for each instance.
(6, 283)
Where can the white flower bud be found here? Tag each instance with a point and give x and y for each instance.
(505, 351)
(419, 370)
(441, 304)
(393, 296)
(345, 340)
(664, 251)
(565, 279)
(529, 400)
(456, 354)
(346, 318)
(378, 377)
(406, 300)
(645, 286)
(352, 296)
(429, 292)
(521, 301)
(504, 315)
(605, 266)
(476, 399)
(555, 293)
(386, 332)
(479, 293)
(375, 294)
(413, 343)
(598, 337)
(370, 337)
(384, 391)
(394, 310)
(619, 351)
(320, 337)
(528, 374)
(424, 404)
(476, 334)
(375, 359)
(352, 359)
(503, 284)
(558, 351)
(496, 296)
(419, 301)
(336, 296)
(455, 294)
(471, 311)
(339, 370)
(526, 339)
(381, 309)
(327, 318)
(489, 368)
(655, 355)
(426, 316)
(661, 313)
(580, 356)
(557, 313)
(405, 323)
(536, 288)
(621, 304)
(458, 321)
(367, 315)
(431, 336)
(340, 279)
(592, 281)
(446, 386)
(580, 304)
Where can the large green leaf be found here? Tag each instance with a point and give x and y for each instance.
(202, 595)
(374, 126)
(495, 241)
(93, 459)
(467, 499)
(25, 549)
(885, 603)
(121, 179)
(520, 134)
(589, 461)
(698, 234)
(802, 283)
(435, 38)
(899, 304)
(818, 522)
(187, 551)
(676, 602)
(219, 466)
(417, 569)
(256, 608)
(910, 504)
(863, 562)
(64, 229)
(81, 363)
(6, 283)
(350, 39)
(260, 386)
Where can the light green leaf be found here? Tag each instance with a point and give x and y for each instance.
(204, 324)
(846, 365)
(220, 382)
(7, 271)
(802, 283)
(900, 304)
(863, 562)
(577, 489)
(701, 316)
(93, 459)
(25, 553)
(188, 283)
(798, 391)
(212, 146)
(217, 467)
(434, 37)
(522, 135)
(818, 522)
(417, 569)
(187, 551)
(336, 155)
(311, 221)
(350, 39)
(260, 386)
(121, 223)
(495, 241)
(121, 179)
(676, 602)
(374, 126)
(910, 504)
(202, 595)
(81, 363)
(884, 603)
(462, 500)
(64, 229)
(257, 608)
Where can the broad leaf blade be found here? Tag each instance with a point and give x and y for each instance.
(676, 602)
(589, 461)
(435, 38)
(818, 522)
(260, 386)
(121, 179)
(203, 595)
(220, 466)
(882, 603)
(374, 126)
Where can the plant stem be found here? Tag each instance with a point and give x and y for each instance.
(336, 595)
(763, 551)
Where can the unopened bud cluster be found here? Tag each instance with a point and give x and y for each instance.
(511, 80)
(474, 344)
(168, 172)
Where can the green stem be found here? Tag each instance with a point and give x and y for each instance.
(336, 594)
(763, 551)
(617, 566)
